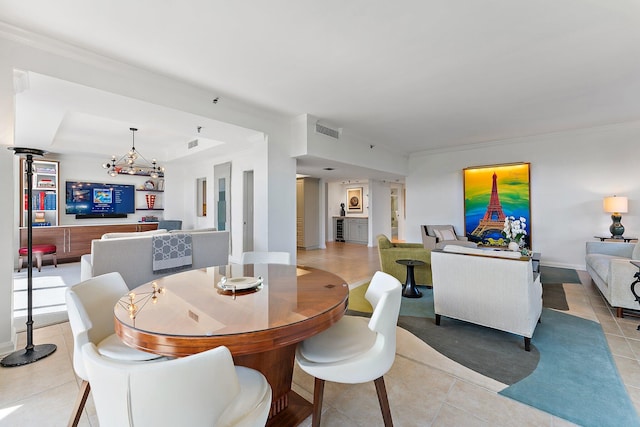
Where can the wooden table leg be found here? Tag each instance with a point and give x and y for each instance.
(287, 407)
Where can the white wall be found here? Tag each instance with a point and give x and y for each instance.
(182, 195)
(380, 208)
(348, 149)
(571, 172)
(9, 167)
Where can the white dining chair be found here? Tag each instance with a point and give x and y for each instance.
(204, 389)
(90, 309)
(356, 349)
(265, 258)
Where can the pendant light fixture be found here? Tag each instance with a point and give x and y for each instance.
(133, 163)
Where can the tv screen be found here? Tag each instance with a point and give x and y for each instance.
(90, 198)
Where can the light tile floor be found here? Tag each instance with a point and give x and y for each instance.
(425, 388)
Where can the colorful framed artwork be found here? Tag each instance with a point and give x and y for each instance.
(354, 200)
(492, 193)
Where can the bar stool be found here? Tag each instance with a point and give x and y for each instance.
(38, 251)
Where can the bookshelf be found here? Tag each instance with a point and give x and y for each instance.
(45, 193)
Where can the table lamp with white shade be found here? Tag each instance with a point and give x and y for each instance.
(615, 206)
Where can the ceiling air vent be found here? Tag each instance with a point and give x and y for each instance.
(192, 144)
(327, 131)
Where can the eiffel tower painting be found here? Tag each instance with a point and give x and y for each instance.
(486, 211)
(493, 219)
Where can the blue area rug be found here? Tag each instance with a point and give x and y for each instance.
(576, 377)
(569, 372)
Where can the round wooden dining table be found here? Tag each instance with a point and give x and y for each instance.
(196, 310)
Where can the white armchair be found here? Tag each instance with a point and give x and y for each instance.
(439, 236)
(496, 289)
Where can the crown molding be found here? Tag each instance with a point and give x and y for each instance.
(53, 46)
(57, 47)
(605, 127)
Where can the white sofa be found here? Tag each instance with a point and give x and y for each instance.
(497, 289)
(608, 264)
(130, 254)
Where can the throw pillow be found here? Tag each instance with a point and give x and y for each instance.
(444, 234)
(448, 235)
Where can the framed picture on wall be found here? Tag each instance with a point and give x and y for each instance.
(354, 200)
(492, 193)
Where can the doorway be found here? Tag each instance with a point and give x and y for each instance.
(395, 203)
(247, 211)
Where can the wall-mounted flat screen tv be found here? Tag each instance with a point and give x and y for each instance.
(95, 200)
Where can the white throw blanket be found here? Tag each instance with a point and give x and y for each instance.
(171, 252)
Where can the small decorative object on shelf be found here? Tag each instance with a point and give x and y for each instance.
(514, 232)
(151, 200)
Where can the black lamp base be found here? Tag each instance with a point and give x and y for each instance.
(616, 229)
(24, 357)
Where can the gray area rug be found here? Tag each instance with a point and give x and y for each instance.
(495, 354)
(552, 278)
(550, 275)
(553, 296)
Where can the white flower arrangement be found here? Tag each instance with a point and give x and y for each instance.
(514, 229)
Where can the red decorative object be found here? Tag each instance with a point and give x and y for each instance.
(151, 200)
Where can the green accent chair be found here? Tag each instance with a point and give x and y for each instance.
(390, 252)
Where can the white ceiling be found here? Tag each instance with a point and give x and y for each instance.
(60, 116)
(411, 75)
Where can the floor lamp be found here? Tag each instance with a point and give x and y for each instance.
(31, 353)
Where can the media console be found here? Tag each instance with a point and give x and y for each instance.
(73, 241)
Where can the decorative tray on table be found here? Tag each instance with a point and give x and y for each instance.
(236, 284)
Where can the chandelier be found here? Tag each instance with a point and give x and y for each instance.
(133, 163)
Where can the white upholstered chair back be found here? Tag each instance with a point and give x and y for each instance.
(90, 309)
(355, 350)
(204, 389)
(384, 295)
(497, 289)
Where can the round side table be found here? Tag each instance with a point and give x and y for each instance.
(409, 289)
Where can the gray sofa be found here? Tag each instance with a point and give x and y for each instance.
(608, 265)
(130, 254)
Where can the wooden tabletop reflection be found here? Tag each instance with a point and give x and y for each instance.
(186, 313)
